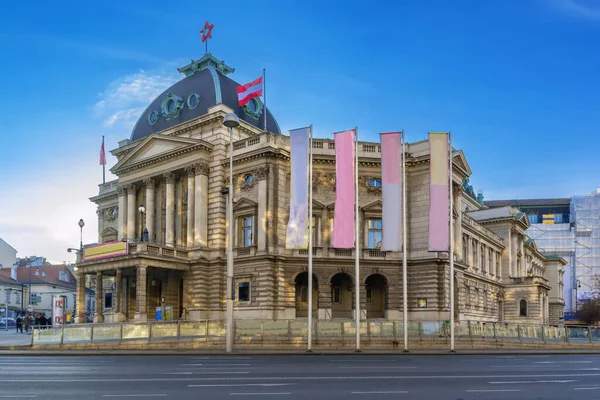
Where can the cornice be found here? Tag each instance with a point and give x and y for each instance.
(160, 158)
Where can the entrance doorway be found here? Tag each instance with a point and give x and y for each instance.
(341, 296)
(301, 285)
(376, 287)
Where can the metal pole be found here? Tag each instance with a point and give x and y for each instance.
(229, 338)
(310, 239)
(451, 253)
(265, 97)
(356, 243)
(103, 165)
(404, 256)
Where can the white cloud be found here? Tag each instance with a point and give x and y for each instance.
(589, 9)
(126, 98)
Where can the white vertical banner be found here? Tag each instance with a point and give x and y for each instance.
(392, 161)
(297, 228)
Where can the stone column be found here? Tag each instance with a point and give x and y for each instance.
(513, 251)
(100, 213)
(150, 208)
(119, 316)
(131, 210)
(261, 219)
(495, 271)
(80, 296)
(523, 271)
(98, 317)
(325, 236)
(201, 204)
(170, 209)
(122, 214)
(190, 205)
(140, 294)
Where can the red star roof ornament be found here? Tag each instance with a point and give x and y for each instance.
(206, 32)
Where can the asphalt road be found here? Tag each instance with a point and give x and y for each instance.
(301, 377)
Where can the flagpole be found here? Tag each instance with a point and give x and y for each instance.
(310, 240)
(404, 255)
(265, 101)
(451, 252)
(356, 244)
(103, 165)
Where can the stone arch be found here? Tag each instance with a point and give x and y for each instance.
(342, 294)
(387, 277)
(340, 271)
(376, 295)
(316, 276)
(301, 294)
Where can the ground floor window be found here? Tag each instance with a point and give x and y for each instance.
(244, 291)
(523, 308)
(108, 300)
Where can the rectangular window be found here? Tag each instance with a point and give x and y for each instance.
(18, 298)
(465, 248)
(247, 231)
(108, 300)
(533, 218)
(375, 233)
(335, 294)
(244, 291)
(558, 218)
(491, 262)
(315, 230)
(497, 264)
(483, 266)
(474, 254)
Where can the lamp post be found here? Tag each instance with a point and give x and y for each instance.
(230, 121)
(142, 210)
(81, 225)
(577, 286)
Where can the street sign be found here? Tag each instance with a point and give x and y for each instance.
(30, 309)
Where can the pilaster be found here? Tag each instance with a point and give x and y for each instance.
(99, 317)
(190, 171)
(170, 209)
(131, 210)
(122, 213)
(150, 208)
(201, 204)
(80, 296)
(141, 313)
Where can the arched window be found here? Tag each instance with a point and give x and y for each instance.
(522, 308)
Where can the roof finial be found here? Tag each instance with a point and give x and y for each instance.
(206, 33)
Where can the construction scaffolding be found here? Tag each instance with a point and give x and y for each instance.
(585, 222)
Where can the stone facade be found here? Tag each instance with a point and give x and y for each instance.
(178, 175)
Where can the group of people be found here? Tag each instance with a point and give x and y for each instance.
(27, 321)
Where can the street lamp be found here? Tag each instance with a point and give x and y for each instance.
(577, 286)
(142, 210)
(230, 121)
(81, 225)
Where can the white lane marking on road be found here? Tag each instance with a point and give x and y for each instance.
(136, 395)
(587, 388)
(561, 362)
(529, 366)
(209, 368)
(382, 392)
(301, 378)
(370, 360)
(17, 396)
(526, 382)
(258, 394)
(492, 390)
(206, 372)
(214, 365)
(379, 367)
(246, 384)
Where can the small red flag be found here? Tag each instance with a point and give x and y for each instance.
(102, 155)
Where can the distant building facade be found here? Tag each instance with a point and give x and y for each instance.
(176, 164)
(8, 255)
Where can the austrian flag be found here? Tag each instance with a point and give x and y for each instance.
(249, 91)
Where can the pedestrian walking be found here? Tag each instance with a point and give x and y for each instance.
(43, 321)
(27, 323)
(19, 324)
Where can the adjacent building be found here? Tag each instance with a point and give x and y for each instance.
(8, 255)
(162, 226)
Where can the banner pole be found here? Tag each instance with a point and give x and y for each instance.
(404, 255)
(451, 252)
(310, 239)
(356, 243)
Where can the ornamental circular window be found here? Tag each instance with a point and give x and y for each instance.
(376, 183)
(193, 100)
(171, 106)
(153, 117)
(254, 108)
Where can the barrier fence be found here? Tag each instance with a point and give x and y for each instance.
(265, 330)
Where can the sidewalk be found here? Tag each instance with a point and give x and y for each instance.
(12, 338)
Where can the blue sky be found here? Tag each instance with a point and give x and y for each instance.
(516, 81)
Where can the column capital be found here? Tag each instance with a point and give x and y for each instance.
(201, 168)
(170, 177)
(149, 182)
(190, 170)
(131, 188)
(121, 190)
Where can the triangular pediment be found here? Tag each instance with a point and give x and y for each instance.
(460, 161)
(155, 147)
(244, 203)
(318, 205)
(374, 206)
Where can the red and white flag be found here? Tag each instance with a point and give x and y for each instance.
(249, 91)
(102, 155)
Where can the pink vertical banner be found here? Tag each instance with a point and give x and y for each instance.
(439, 193)
(392, 161)
(343, 217)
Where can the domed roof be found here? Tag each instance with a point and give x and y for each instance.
(205, 85)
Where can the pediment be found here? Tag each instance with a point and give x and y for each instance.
(376, 206)
(244, 203)
(460, 161)
(155, 147)
(318, 205)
